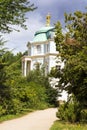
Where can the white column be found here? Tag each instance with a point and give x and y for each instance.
(22, 68)
(25, 68)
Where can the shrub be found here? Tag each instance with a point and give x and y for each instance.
(2, 111)
(84, 115)
(66, 112)
(70, 111)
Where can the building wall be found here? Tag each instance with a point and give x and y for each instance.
(46, 47)
(43, 50)
(53, 47)
(35, 60)
(52, 62)
(44, 53)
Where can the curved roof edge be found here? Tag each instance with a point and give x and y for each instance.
(44, 30)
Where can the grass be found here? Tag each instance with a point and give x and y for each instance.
(58, 125)
(22, 113)
(14, 116)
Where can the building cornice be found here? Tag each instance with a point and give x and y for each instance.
(26, 58)
(39, 56)
(41, 42)
(51, 54)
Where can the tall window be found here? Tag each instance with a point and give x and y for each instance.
(38, 49)
(47, 47)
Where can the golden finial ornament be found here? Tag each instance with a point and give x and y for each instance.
(48, 20)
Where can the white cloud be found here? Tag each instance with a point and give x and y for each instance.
(18, 40)
(56, 8)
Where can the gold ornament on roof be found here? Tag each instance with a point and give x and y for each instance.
(48, 20)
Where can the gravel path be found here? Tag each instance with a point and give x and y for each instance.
(38, 120)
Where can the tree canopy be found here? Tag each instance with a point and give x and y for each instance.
(72, 47)
(13, 12)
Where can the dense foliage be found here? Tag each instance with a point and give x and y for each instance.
(13, 12)
(72, 46)
(19, 94)
(38, 76)
(72, 111)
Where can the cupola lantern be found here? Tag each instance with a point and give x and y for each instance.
(48, 19)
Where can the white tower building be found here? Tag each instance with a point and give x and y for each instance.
(41, 49)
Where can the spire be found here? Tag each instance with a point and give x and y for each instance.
(48, 20)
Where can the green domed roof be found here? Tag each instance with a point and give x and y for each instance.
(43, 34)
(44, 30)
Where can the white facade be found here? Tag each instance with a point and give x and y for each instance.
(41, 50)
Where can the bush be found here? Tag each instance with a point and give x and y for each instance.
(70, 112)
(84, 115)
(66, 112)
(18, 93)
(2, 111)
(38, 77)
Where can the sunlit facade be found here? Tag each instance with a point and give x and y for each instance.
(42, 50)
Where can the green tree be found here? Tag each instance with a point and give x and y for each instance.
(13, 12)
(38, 76)
(2, 64)
(72, 47)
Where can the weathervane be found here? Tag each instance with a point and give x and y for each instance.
(48, 20)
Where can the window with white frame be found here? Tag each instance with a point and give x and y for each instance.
(38, 47)
(47, 47)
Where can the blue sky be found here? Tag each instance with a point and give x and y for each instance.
(37, 19)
